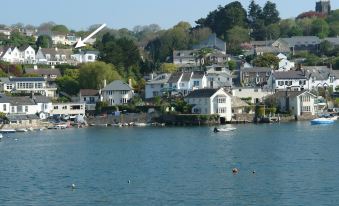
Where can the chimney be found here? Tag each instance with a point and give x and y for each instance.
(104, 83)
(35, 67)
(130, 82)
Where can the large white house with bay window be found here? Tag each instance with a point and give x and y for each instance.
(211, 101)
(117, 93)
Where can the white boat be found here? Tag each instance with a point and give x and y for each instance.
(322, 120)
(137, 124)
(60, 126)
(7, 131)
(21, 130)
(224, 129)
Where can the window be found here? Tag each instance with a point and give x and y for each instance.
(196, 83)
(12, 109)
(4, 107)
(123, 100)
(123, 92)
(221, 100)
(64, 107)
(55, 107)
(26, 108)
(281, 83)
(221, 110)
(306, 108)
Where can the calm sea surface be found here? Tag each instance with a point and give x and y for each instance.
(295, 164)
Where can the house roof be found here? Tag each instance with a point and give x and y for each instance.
(256, 69)
(117, 85)
(89, 92)
(41, 99)
(16, 101)
(301, 40)
(202, 93)
(212, 42)
(198, 75)
(289, 75)
(175, 77)
(319, 72)
(272, 49)
(186, 76)
(41, 71)
(237, 102)
(333, 40)
(160, 79)
(282, 94)
(27, 79)
(183, 53)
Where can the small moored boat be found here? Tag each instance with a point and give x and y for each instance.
(322, 120)
(21, 130)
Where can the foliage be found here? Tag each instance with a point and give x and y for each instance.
(92, 75)
(320, 28)
(73, 73)
(44, 41)
(168, 68)
(181, 106)
(68, 85)
(17, 40)
(266, 60)
(60, 29)
(232, 65)
(270, 13)
(260, 111)
(99, 106)
(235, 37)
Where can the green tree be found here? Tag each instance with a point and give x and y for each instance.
(168, 68)
(266, 60)
(270, 13)
(232, 65)
(235, 37)
(92, 75)
(44, 41)
(320, 28)
(60, 29)
(68, 85)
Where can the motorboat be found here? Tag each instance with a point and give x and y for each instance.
(322, 120)
(140, 124)
(7, 131)
(21, 130)
(224, 129)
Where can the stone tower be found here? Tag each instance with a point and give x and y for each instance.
(323, 6)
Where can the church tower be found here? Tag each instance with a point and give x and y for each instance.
(323, 6)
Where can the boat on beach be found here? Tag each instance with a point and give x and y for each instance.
(21, 130)
(7, 131)
(224, 129)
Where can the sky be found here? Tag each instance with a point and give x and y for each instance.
(80, 14)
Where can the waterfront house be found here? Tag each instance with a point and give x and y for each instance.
(239, 106)
(157, 86)
(89, 97)
(23, 120)
(68, 110)
(17, 105)
(251, 94)
(256, 76)
(211, 101)
(27, 85)
(321, 77)
(117, 93)
(298, 103)
(288, 80)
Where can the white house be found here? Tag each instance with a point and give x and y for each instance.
(28, 55)
(211, 101)
(89, 97)
(299, 103)
(185, 82)
(12, 55)
(86, 56)
(18, 105)
(117, 93)
(27, 85)
(157, 86)
(321, 77)
(186, 57)
(288, 80)
(68, 109)
(252, 94)
(54, 56)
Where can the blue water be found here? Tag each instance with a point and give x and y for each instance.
(295, 164)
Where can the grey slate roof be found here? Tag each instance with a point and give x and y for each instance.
(89, 92)
(333, 40)
(41, 71)
(16, 101)
(289, 75)
(41, 99)
(22, 117)
(256, 69)
(319, 72)
(183, 53)
(27, 79)
(301, 40)
(186, 76)
(117, 85)
(272, 49)
(175, 77)
(198, 75)
(282, 94)
(237, 102)
(212, 42)
(202, 93)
